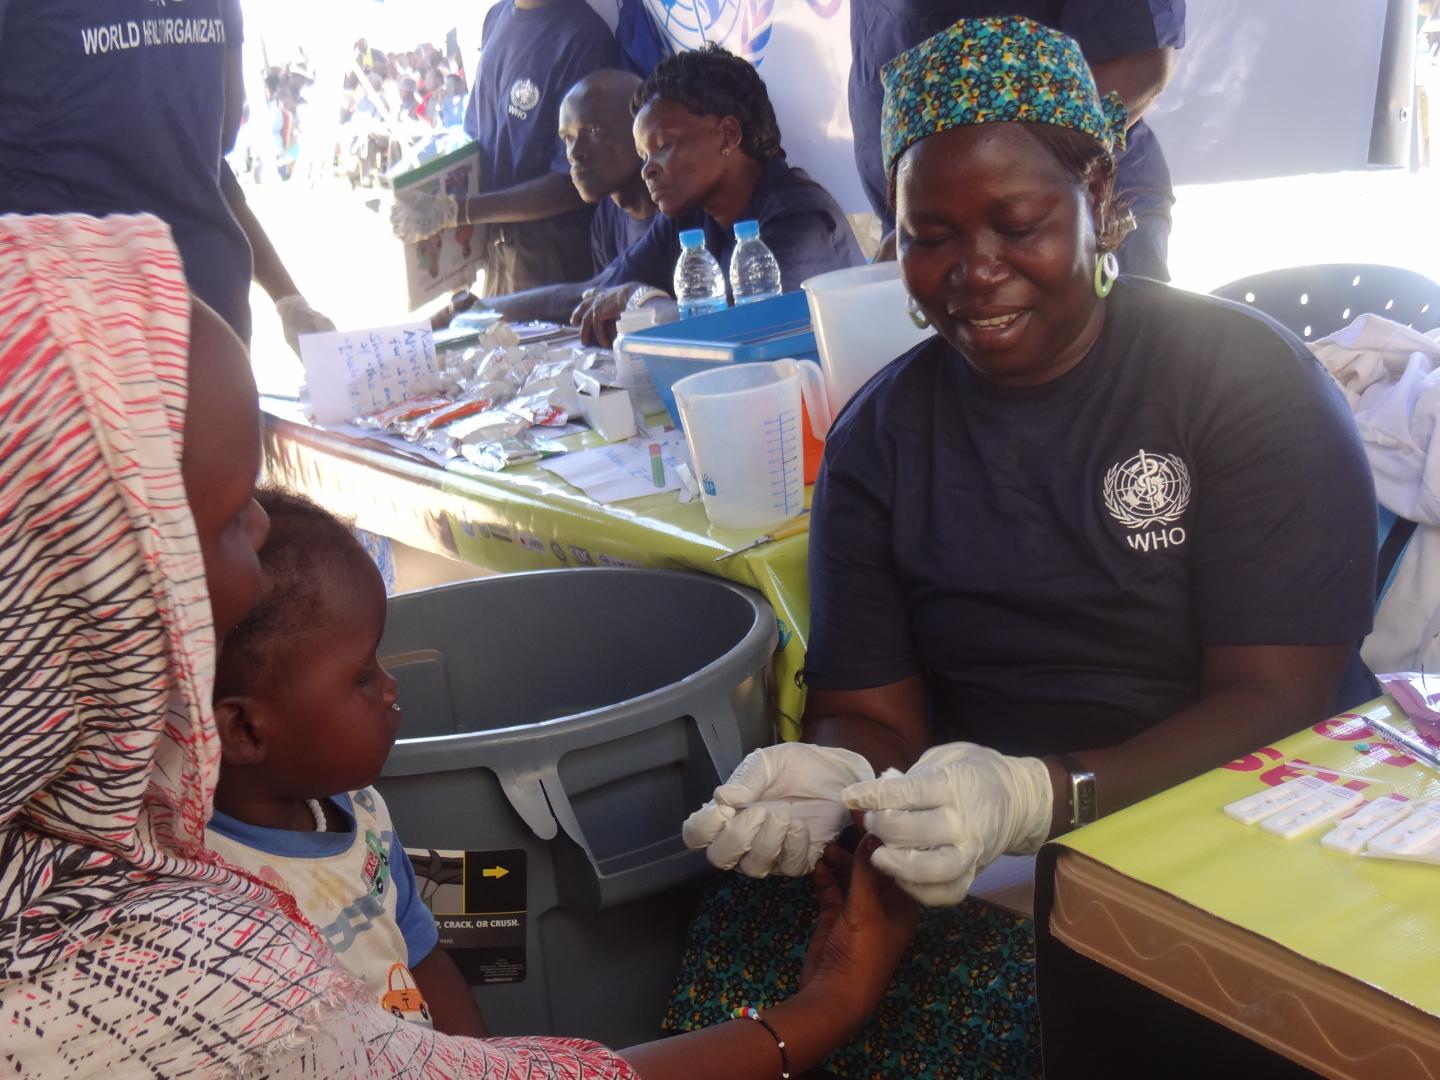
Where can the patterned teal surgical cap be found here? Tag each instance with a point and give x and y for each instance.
(1003, 69)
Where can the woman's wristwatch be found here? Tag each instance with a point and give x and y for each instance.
(1084, 804)
(643, 295)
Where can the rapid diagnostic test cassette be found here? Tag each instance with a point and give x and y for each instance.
(1388, 827)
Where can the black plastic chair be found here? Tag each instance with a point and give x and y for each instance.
(1314, 301)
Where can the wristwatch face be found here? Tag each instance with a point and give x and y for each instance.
(1084, 807)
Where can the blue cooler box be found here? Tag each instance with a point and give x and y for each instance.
(762, 330)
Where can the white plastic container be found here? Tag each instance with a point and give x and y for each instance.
(861, 324)
(743, 426)
(630, 372)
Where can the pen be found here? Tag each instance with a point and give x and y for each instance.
(792, 528)
(1413, 743)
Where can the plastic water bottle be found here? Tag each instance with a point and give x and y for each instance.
(754, 273)
(699, 284)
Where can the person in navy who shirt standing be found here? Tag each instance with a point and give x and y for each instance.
(532, 52)
(71, 72)
(122, 107)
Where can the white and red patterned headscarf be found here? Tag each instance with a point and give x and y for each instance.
(125, 947)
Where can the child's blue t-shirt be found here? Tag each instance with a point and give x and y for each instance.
(356, 886)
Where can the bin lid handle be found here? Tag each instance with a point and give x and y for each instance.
(526, 792)
(721, 737)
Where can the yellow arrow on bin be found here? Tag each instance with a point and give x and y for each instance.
(494, 871)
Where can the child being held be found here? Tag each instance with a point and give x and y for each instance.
(306, 717)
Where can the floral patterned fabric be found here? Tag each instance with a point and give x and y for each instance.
(961, 1004)
(1003, 69)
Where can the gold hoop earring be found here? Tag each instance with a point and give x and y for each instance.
(1107, 269)
(917, 316)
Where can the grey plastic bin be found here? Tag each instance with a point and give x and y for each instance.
(578, 716)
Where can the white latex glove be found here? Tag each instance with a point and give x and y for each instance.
(418, 214)
(778, 810)
(298, 317)
(958, 808)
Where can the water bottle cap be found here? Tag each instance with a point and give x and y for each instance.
(692, 238)
(747, 230)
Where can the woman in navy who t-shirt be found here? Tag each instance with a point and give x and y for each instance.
(1093, 539)
(707, 134)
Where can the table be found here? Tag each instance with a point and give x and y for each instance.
(1174, 941)
(528, 519)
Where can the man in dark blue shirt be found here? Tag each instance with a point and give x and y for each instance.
(1129, 45)
(533, 52)
(595, 131)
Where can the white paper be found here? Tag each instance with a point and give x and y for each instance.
(356, 372)
(619, 471)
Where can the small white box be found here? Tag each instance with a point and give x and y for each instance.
(606, 409)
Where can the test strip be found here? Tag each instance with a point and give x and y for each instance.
(1357, 830)
(1262, 804)
(1312, 811)
(1417, 837)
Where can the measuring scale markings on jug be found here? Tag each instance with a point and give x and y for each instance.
(782, 445)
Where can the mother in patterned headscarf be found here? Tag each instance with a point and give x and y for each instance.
(1093, 538)
(129, 445)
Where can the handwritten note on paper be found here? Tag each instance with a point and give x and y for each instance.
(356, 372)
(621, 470)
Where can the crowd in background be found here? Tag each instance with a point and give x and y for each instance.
(389, 100)
(403, 97)
(417, 85)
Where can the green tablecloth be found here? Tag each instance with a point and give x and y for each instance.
(1371, 919)
(528, 519)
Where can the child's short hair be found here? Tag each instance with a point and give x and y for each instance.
(304, 540)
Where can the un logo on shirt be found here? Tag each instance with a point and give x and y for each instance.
(1146, 490)
(524, 96)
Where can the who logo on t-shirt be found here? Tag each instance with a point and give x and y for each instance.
(524, 98)
(1147, 490)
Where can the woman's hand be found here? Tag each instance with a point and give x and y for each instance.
(958, 809)
(778, 810)
(861, 935)
(853, 953)
(597, 314)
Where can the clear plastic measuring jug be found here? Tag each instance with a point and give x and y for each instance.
(861, 324)
(743, 425)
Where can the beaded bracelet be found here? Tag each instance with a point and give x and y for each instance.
(746, 1012)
